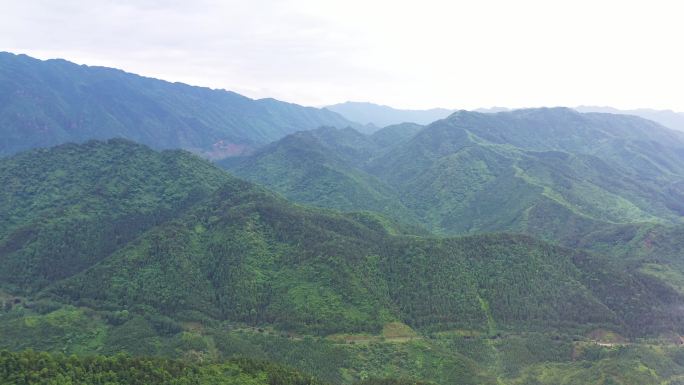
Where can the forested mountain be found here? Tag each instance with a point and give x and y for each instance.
(111, 246)
(66, 208)
(321, 167)
(381, 116)
(325, 167)
(546, 172)
(240, 253)
(553, 173)
(44, 103)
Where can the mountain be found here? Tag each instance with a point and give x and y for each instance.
(44, 103)
(68, 207)
(516, 170)
(324, 167)
(381, 116)
(320, 167)
(668, 118)
(553, 173)
(161, 253)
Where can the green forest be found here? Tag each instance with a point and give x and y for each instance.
(162, 254)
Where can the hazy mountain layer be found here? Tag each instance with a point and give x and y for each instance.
(381, 116)
(668, 118)
(43, 103)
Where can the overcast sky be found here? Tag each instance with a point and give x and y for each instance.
(408, 54)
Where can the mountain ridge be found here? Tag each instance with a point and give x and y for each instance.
(596, 168)
(55, 101)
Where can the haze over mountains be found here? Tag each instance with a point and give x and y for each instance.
(535, 246)
(50, 102)
(667, 118)
(381, 116)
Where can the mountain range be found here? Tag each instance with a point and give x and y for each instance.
(553, 173)
(375, 115)
(161, 253)
(535, 246)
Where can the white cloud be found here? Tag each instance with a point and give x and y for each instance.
(459, 54)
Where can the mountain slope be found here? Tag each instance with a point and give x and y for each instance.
(43, 103)
(65, 208)
(321, 168)
(389, 136)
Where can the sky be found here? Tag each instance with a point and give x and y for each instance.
(406, 54)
